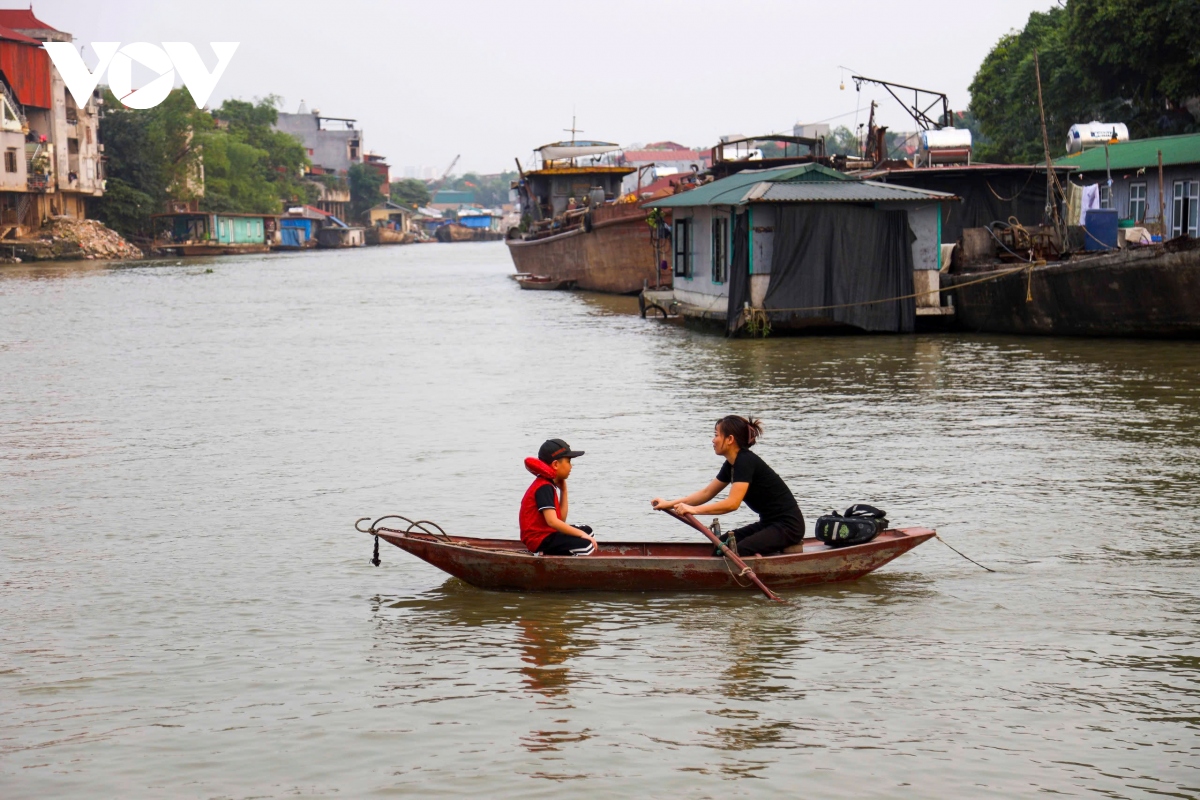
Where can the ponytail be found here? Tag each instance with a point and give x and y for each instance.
(744, 431)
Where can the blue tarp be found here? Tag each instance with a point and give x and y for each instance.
(291, 237)
(303, 224)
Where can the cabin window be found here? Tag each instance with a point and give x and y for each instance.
(1137, 202)
(1187, 208)
(683, 248)
(1106, 197)
(720, 249)
(10, 160)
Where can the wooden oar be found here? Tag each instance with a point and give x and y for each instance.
(712, 537)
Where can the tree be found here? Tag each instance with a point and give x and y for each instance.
(410, 192)
(841, 141)
(364, 189)
(1144, 53)
(1004, 94)
(152, 156)
(284, 158)
(237, 177)
(489, 190)
(1132, 61)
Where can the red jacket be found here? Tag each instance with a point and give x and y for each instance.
(534, 528)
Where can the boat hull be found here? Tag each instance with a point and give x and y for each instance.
(215, 249)
(1149, 291)
(648, 567)
(617, 255)
(461, 233)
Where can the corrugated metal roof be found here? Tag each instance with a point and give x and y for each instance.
(838, 192)
(731, 190)
(1184, 149)
(811, 183)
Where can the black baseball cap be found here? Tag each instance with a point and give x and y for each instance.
(554, 449)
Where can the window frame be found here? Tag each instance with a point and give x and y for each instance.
(720, 249)
(1185, 208)
(1135, 202)
(681, 246)
(10, 160)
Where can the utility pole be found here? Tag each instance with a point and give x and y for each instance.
(1051, 176)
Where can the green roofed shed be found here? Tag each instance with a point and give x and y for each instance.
(1138, 154)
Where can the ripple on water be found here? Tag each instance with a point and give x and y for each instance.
(187, 611)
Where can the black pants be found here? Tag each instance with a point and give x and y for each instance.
(764, 538)
(563, 544)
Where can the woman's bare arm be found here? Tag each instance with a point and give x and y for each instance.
(737, 493)
(702, 496)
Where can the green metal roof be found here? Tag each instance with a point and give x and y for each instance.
(731, 190)
(849, 192)
(1138, 153)
(810, 183)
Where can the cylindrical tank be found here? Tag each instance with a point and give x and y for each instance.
(1101, 229)
(946, 139)
(1094, 134)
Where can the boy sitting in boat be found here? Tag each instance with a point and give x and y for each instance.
(544, 528)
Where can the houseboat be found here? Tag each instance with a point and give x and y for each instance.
(804, 248)
(575, 226)
(391, 223)
(196, 233)
(298, 227)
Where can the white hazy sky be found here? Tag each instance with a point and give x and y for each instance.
(493, 80)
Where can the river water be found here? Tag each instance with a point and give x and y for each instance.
(187, 611)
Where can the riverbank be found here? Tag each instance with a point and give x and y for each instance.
(66, 239)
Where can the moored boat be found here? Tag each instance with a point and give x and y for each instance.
(505, 564)
(542, 283)
(576, 226)
(1150, 291)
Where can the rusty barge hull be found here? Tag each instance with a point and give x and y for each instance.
(1152, 291)
(503, 564)
(617, 255)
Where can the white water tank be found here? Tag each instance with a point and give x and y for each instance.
(946, 139)
(945, 146)
(1094, 134)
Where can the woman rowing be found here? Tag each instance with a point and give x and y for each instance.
(780, 523)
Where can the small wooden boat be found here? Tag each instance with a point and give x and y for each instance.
(543, 283)
(505, 564)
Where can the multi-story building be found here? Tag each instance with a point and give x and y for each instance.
(333, 145)
(51, 145)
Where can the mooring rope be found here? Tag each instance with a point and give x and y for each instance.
(995, 276)
(968, 558)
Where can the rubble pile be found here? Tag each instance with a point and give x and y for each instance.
(86, 238)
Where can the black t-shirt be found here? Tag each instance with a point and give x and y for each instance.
(768, 495)
(544, 497)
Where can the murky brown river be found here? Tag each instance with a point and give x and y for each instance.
(186, 610)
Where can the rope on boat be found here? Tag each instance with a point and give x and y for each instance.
(413, 525)
(994, 276)
(968, 558)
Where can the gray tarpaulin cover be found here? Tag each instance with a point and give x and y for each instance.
(832, 254)
(739, 274)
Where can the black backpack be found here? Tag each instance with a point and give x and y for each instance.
(860, 524)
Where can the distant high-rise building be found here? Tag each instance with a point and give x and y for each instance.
(813, 130)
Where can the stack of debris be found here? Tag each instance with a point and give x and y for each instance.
(66, 238)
